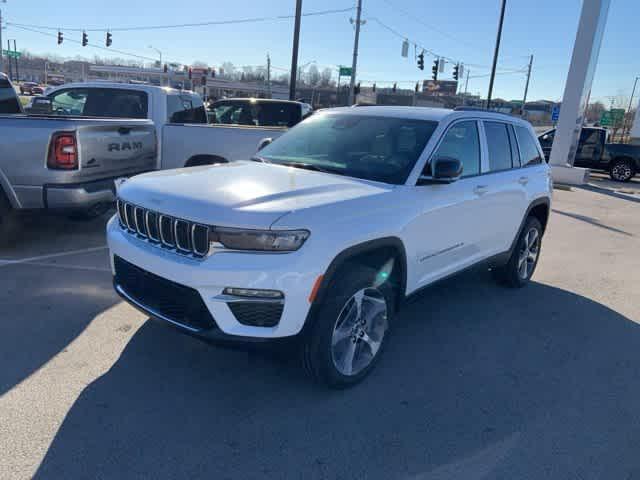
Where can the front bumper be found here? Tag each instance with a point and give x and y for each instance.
(287, 273)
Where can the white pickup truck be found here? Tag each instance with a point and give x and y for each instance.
(185, 138)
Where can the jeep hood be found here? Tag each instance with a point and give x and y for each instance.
(242, 194)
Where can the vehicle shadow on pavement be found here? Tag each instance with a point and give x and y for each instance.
(477, 381)
(39, 319)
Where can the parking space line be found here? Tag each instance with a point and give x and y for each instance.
(5, 262)
(70, 267)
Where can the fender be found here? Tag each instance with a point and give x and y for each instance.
(350, 253)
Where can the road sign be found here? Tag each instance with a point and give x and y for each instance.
(605, 119)
(345, 71)
(12, 53)
(612, 118)
(555, 113)
(617, 115)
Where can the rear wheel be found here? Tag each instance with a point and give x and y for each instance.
(8, 222)
(524, 258)
(622, 170)
(350, 329)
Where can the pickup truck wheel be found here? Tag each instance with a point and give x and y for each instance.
(8, 222)
(524, 258)
(622, 170)
(349, 329)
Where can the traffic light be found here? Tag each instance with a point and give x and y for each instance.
(421, 61)
(356, 89)
(374, 88)
(456, 71)
(417, 87)
(108, 42)
(190, 73)
(165, 68)
(434, 69)
(85, 39)
(395, 87)
(203, 80)
(60, 38)
(213, 73)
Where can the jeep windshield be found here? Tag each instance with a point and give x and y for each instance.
(383, 149)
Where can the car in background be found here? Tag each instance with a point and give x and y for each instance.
(621, 161)
(26, 88)
(65, 164)
(258, 112)
(37, 90)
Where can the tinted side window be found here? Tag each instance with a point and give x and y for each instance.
(589, 137)
(461, 142)
(185, 109)
(8, 100)
(515, 155)
(100, 102)
(498, 145)
(529, 153)
(271, 114)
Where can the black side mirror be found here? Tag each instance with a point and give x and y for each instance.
(264, 142)
(444, 170)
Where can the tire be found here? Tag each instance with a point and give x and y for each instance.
(334, 336)
(8, 222)
(524, 256)
(622, 170)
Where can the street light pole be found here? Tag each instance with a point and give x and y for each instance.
(159, 52)
(495, 54)
(526, 87)
(294, 53)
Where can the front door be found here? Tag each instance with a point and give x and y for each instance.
(445, 237)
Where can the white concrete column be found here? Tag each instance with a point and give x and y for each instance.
(584, 60)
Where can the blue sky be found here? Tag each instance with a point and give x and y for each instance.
(461, 29)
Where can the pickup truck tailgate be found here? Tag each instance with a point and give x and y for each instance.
(116, 149)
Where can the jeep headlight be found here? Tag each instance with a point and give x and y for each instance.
(259, 240)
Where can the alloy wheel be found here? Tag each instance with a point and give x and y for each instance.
(529, 253)
(621, 172)
(359, 331)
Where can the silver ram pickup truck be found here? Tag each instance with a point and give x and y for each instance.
(68, 164)
(186, 137)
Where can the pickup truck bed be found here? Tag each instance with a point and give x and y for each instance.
(105, 149)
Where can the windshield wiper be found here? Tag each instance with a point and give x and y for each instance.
(311, 166)
(257, 158)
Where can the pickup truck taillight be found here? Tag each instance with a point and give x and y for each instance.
(63, 151)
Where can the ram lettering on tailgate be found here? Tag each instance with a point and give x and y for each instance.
(118, 147)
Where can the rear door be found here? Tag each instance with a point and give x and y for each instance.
(112, 148)
(501, 188)
(546, 142)
(589, 147)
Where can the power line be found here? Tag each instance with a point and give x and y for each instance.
(182, 25)
(121, 52)
(418, 45)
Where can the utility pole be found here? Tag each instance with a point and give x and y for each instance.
(495, 54)
(294, 55)
(354, 64)
(15, 49)
(633, 92)
(269, 75)
(526, 87)
(9, 58)
(466, 86)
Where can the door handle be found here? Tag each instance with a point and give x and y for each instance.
(481, 189)
(523, 180)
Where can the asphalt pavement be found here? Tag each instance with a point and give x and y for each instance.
(478, 381)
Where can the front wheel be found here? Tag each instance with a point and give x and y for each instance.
(350, 329)
(524, 258)
(622, 170)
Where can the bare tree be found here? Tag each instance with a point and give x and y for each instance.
(326, 77)
(313, 75)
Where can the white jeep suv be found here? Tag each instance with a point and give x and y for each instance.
(329, 228)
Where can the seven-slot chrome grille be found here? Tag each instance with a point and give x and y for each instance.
(182, 236)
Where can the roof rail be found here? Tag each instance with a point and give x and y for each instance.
(480, 109)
